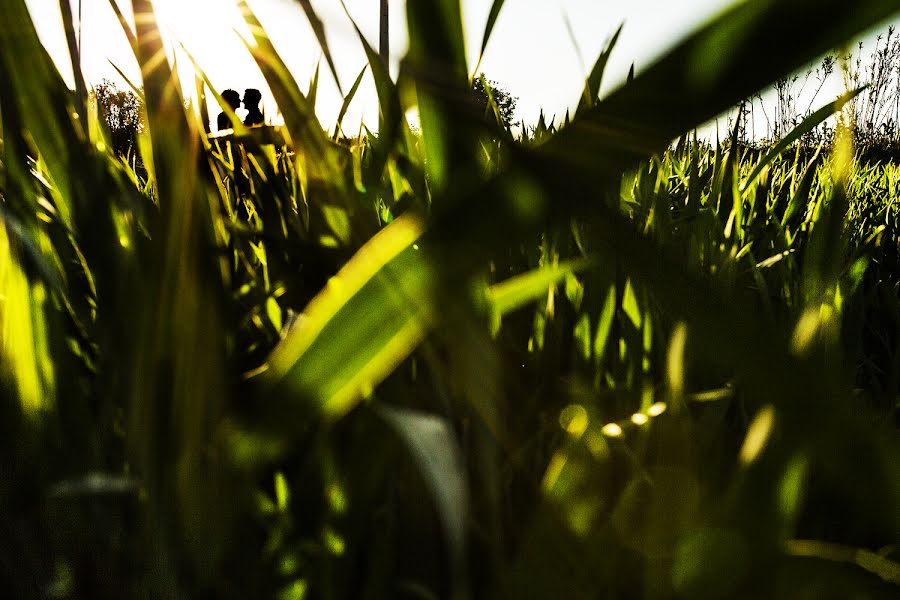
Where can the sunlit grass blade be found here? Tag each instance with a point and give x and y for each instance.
(25, 361)
(595, 78)
(41, 100)
(383, 292)
(513, 293)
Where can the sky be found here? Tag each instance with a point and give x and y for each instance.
(540, 51)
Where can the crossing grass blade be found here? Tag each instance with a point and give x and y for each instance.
(804, 127)
(224, 361)
(345, 105)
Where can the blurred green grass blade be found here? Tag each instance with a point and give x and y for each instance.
(173, 138)
(496, 7)
(805, 126)
(437, 63)
(24, 342)
(518, 291)
(432, 443)
(319, 30)
(436, 38)
(345, 105)
(881, 566)
(177, 385)
(40, 121)
(31, 245)
(595, 78)
(368, 319)
(711, 70)
(94, 484)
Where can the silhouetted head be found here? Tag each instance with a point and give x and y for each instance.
(232, 98)
(251, 98)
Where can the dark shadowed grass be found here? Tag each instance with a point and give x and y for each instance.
(588, 362)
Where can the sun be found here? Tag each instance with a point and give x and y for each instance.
(210, 34)
(201, 26)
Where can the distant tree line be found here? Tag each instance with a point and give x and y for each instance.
(122, 111)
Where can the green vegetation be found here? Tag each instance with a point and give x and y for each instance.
(588, 362)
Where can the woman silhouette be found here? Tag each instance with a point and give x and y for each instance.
(251, 103)
(234, 101)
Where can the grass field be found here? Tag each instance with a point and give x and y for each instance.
(599, 360)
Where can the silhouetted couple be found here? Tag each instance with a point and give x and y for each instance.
(251, 101)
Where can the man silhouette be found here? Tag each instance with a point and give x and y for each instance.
(234, 101)
(252, 98)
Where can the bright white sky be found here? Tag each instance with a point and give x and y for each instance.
(531, 53)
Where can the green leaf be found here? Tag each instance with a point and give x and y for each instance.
(437, 61)
(24, 357)
(592, 84)
(496, 7)
(369, 317)
(518, 291)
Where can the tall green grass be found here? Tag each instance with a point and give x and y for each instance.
(592, 361)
